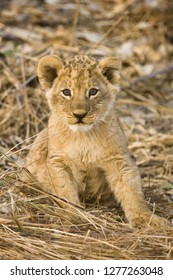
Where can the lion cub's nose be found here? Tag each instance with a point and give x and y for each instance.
(80, 116)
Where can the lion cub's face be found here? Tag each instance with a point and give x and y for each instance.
(80, 91)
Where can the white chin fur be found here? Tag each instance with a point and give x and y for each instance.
(80, 127)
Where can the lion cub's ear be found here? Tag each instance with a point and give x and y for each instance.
(110, 68)
(48, 68)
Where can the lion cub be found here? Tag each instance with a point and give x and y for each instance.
(83, 151)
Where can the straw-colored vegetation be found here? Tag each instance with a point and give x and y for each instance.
(140, 33)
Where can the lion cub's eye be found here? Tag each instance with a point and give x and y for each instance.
(66, 92)
(93, 92)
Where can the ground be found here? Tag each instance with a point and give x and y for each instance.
(140, 34)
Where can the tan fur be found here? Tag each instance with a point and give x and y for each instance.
(75, 160)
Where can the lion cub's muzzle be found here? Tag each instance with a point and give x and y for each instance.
(80, 116)
(80, 120)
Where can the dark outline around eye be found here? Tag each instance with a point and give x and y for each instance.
(66, 92)
(92, 94)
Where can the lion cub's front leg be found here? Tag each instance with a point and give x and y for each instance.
(124, 179)
(65, 186)
(62, 182)
(51, 171)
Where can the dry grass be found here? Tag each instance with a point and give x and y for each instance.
(31, 223)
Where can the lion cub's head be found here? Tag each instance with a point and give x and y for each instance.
(80, 91)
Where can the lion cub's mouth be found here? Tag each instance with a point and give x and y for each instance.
(80, 127)
(81, 123)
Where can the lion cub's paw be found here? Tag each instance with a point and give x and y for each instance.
(150, 220)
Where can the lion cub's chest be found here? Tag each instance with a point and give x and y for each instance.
(82, 156)
(85, 151)
(81, 160)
